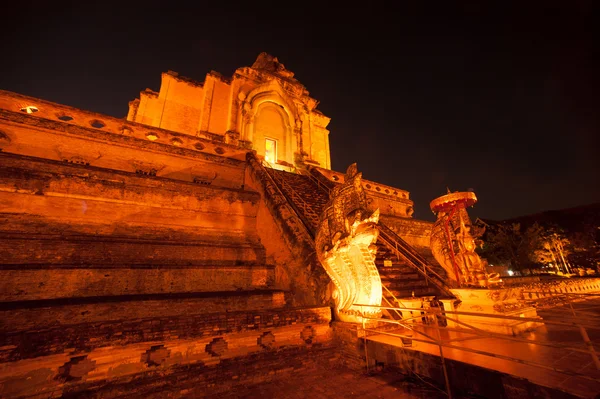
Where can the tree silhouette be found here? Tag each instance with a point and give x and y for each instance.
(511, 244)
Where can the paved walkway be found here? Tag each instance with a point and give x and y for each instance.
(587, 384)
(336, 383)
(322, 383)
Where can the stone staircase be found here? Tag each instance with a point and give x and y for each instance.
(419, 273)
(402, 278)
(109, 277)
(304, 195)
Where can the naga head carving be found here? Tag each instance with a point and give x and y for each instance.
(346, 249)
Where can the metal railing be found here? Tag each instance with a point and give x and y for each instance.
(403, 250)
(568, 299)
(396, 300)
(400, 248)
(436, 314)
(318, 182)
(389, 238)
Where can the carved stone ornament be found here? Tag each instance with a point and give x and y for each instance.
(248, 117)
(346, 248)
(271, 64)
(75, 157)
(453, 245)
(147, 168)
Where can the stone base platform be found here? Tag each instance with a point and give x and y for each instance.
(493, 302)
(476, 375)
(500, 326)
(130, 357)
(506, 302)
(39, 282)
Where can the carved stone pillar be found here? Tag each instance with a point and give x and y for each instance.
(247, 122)
(452, 243)
(232, 138)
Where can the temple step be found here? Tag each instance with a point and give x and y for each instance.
(393, 272)
(300, 190)
(417, 291)
(32, 282)
(396, 274)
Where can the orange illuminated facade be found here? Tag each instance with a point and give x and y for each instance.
(262, 107)
(167, 239)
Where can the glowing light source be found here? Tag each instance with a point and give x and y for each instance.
(510, 273)
(270, 150)
(30, 109)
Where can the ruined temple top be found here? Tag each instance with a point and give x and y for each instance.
(267, 62)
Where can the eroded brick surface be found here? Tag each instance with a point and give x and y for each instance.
(153, 254)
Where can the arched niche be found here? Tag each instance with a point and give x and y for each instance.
(272, 123)
(268, 114)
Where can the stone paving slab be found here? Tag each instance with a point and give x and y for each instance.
(587, 385)
(322, 383)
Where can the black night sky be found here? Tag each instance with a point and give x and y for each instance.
(497, 99)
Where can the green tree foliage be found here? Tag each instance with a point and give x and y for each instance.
(585, 248)
(556, 248)
(513, 245)
(570, 239)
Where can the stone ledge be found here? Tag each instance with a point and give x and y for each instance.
(207, 264)
(31, 316)
(41, 284)
(27, 251)
(86, 300)
(25, 225)
(22, 168)
(116, 335)
(116, 131)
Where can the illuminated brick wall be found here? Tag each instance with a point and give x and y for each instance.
(238, 105)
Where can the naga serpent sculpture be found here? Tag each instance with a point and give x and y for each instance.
(346, 248)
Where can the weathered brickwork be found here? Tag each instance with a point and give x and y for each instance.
(220, 106)
(198, 380)
(415, 232)
(351, 349)
(117, 147)
(390, 201)
(302, 272)
(154, 256)
(19, 316)
(42, 284)
(75, 338)
(137, 348)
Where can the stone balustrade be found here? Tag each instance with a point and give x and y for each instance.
(203, 142)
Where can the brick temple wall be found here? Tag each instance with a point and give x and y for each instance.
(288, 243)
(133, 257)
(67, 234)
(415, 232)
(109, 359)
(110, 290)
(224, 107)
(66, 134)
